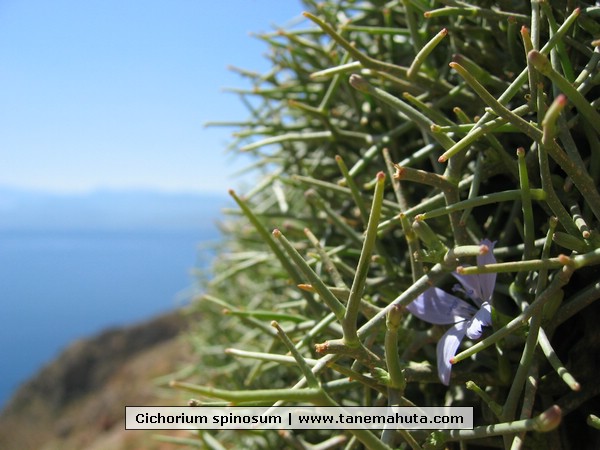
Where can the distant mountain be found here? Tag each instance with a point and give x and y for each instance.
(108, 210)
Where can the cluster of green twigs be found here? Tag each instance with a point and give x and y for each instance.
(391, 138)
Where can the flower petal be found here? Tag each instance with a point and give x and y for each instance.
(446, 350)
(489, 257)
(438, 307)
(482, 318)
(480, 287)
(487, 281)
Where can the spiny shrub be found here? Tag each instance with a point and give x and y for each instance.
(402, 146)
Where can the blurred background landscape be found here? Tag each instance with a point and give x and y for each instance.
(110, 186)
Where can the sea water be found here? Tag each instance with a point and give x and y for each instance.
(57, 286)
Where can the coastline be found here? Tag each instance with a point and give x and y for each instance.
(77, 400)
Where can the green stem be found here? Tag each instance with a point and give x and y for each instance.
(555, 362)
(265, 315)
(436, 273)
(424, 52)
(268, 238)
(289, 137)
(560, 51)
(546, 421)
(413, 247)
(576, 303)
(330, 267)
(472, 10)
(510, 406)
(557, 283)
(489, 401)
(477, 131)
(349, 181)
(411, 21)
(332, 88)
(392, 354)
(531, 72)
(543, 65)
(310, 377)
(474, 189)
(358, 352)
(423, 177)
(310, 395)
(372, 63)
(517, 266)
(331, 300)
(580, 177)
(309, 181)
(552, 199)
(359, 83)
(516, 85)
(400, 197)
(593, 421)
(270, 357)
(496, 197)
(341, 223)
(350, 320)
(569, 241)
(526, 206)
(543, 272)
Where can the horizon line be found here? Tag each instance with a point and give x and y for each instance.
(112, 189)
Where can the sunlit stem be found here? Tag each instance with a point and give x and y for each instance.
(331, 300)
(435, 274)
(411, 21)
(349, 323)
(310, 395)
(421, 176)
(269, 357)
(358, 353)
(372, 63)
(311, 379)
(424, 52)
(268, 238)
(289, 137)
(349, 181)
(341, 223)
(330, 267)
(543, 65)
(362, 85)
(514, 87)
(516, 266)
(486, 199)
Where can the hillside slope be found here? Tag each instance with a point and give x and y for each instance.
(77, 401)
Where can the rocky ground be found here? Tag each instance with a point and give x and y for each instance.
(78, 401)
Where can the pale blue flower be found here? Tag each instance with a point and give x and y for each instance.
(438, 307)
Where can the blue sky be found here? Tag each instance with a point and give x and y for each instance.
(113, 94)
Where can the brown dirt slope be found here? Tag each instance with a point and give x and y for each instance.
(78, 400)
